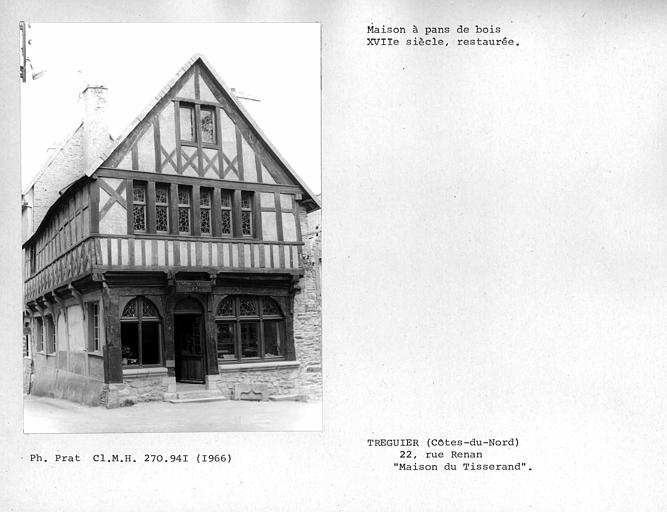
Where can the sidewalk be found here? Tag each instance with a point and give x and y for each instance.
(50, 415)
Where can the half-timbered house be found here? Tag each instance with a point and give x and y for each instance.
(171, 260)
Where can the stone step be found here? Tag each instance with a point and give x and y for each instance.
(202, 395)
(194, 400)
(288, 398)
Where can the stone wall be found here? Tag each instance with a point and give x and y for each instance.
(143, 387)
(308, 314)
(278, 381)
(27, 374)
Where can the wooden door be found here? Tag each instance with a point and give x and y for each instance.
(189, 348)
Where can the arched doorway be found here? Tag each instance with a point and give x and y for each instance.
(189, 341)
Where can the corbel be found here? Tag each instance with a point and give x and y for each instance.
(78, 296)
(171, 278)
(61, 306)
(294, 284)
(49, 307)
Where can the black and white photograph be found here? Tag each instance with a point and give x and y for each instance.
(176, 261)
(334, 255)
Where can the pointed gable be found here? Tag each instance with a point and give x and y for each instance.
(196, 127)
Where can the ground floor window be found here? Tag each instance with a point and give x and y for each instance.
(249, 327)
(50, 328)
(38, 335)
(140, 333)
(94, 327)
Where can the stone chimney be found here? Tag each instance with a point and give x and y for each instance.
(95, 126)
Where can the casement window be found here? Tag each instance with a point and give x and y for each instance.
(38, 334)
(139, 208)
(140, 333)
(249, 327)
(50, 329)
(94, 327)
(191, 132)
(187, 122)
(184, 209)
(207, 124)
(246, 213)
(205, 211)
(161, 208)
(226, 207)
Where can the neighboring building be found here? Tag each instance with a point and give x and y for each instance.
(173, 255)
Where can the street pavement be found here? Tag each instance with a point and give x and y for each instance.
(50, 415)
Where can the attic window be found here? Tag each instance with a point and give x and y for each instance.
(187, 117)
(207, 116)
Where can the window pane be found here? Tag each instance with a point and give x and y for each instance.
(206, 221)
(139, 193)
(207, 125)
(139, 217)
(183, 196)
(248, 306)
(249, 339)
(184, 220)
(161, 218)
(226, 307)
(226, 199)
(205, 197)
(246, 223)
(129, 338)
(226, 222)
(150, 343)
(187, 123)
(225, 341)
(161, 194)
(246, 200)
(273, 343)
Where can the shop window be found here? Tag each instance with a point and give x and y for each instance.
(249, 327)
(140, 333)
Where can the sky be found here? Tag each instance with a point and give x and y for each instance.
(278, 63)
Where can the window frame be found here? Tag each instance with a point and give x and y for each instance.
(38, 334)
(184, 206)
(184, 105)
(166, 187)
(139, 320)
(94, 312)
(50, 347)
(140, 185)
(236, 319)
(206, 209)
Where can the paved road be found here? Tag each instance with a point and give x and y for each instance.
(49, 415)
